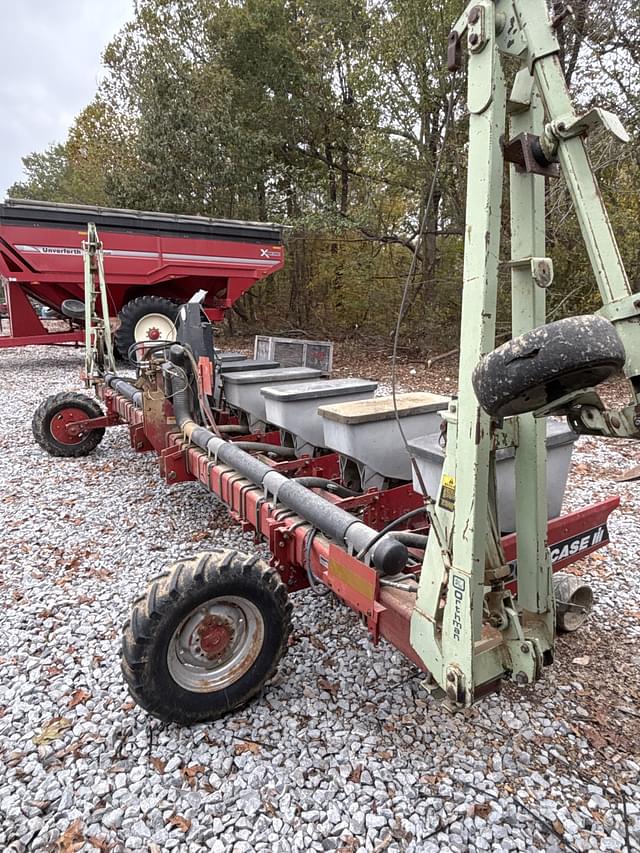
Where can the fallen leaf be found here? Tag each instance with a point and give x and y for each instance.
(247, 746)
(481, 810)
(317, 642)
(100, 843)
(356, 774)
(52, 731)
(78, 697)
(190, 773)
(72, 839)
(323, 684)
(200, 535)
(386, 841)
(595, 738)
(182, 823)
(158, 764)
(559, 827)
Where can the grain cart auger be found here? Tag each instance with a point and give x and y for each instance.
(316, 467)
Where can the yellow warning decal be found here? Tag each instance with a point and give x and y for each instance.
(448, 493)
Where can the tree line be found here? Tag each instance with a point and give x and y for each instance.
(329, 116)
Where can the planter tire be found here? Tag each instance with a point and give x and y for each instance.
(48, 425)
(206, 637)
(541, 366)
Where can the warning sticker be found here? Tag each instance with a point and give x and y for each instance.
(448, 493)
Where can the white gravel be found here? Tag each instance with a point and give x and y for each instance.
(344, 751)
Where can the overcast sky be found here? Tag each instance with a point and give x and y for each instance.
(51, 53)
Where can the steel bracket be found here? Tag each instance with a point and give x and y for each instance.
(570, 126)
(542, 271)
(173, 465)
(526, 152)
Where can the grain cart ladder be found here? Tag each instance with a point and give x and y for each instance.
(98, 343)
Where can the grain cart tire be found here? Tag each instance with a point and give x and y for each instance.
(145, 319)
(541, 366)
(206, 637)
(52, 415)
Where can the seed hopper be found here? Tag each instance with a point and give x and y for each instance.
(432, 518)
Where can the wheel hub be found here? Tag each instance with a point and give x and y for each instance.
(216, 644)
(215, 636)
(60, 422)
(154, 327)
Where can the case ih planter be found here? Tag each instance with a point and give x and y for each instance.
(210, 632)
(429, 570)
(153, 262)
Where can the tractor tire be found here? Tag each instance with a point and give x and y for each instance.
(543, 365)
(132, 316)
(52, 414)
(206, 637)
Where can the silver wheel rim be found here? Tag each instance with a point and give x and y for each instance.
(154, 328)
(216, 644)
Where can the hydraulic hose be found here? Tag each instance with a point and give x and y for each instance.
(410, 539)
(391, 526)
(263, 447)
(125, 388)
(328, 485)
(387, 554)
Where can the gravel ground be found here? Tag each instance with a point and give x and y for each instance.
(345, 751)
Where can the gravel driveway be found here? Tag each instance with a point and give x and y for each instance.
(345, 751)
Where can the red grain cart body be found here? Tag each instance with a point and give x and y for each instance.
(158, 255)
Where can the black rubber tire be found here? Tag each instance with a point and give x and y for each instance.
(131, 314)
(43, 415)
(541, 366)
(168, 600)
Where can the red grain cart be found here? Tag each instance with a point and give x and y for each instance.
(153, 261)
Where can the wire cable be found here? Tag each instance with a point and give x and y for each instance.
(429, 503)
(316, 587)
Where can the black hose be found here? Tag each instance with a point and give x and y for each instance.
(410, 539)
(329, 485)
(393, 524)
(263, 447)
(122, 386)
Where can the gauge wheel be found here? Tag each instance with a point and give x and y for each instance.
(536, 369)
(145, 320)
(53, 415)
(206, 637)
